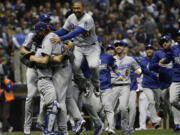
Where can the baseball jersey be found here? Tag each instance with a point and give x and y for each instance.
(87, 23)
(165, 73)
(150, 79)
(48, 48)
(134, 84)
(175, 57)
(107, 63)
(126, 65)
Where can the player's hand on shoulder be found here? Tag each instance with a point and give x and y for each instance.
(68, 45)
(55, 39)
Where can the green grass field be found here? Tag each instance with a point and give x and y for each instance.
(145, 132)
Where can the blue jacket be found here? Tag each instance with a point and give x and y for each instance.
(133, 85)
(106, 65)
(134, 76)
(165, 73)
(150, 79)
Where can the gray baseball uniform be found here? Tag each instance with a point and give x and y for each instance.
(122, 88)
(86, 45)
(31, 77)
(45, 83)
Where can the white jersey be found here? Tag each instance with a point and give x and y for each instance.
(48, 48)
(87, 23)
(126, 65)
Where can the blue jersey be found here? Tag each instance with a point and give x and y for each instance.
(85, 69)
(106, 65)
(165, 73)
(20, 37)
(150, 79)
(175, 57)
(134, 76)
(133, 85)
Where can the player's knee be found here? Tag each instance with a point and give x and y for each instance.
(108, 108)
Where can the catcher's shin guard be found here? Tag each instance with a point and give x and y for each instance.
(51, 116)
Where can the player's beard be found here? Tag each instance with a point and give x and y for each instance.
(79, 14)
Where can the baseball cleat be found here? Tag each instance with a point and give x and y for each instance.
(125, 132)
(177, 129)
(131, 131)
(157, 124)
(80, 127)
(138, 129)
(111, 131)
(98, 130)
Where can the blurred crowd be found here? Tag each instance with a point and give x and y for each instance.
(139, 22)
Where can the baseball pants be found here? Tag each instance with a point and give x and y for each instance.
(132, 108)
(107, 96)
(61, 79)
(175, 101)
(122, 93)
(143, 110)
(92, 55)
(150, 95)
(31, 76)
(71, 105)
(93, 107)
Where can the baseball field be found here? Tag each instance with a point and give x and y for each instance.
(145, 132)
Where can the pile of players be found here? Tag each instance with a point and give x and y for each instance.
(70, 62)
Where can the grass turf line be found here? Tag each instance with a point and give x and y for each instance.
(145, 132)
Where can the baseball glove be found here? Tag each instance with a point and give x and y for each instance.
(25, 59)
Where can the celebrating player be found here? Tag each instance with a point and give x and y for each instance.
(126, 64)
(80, 26)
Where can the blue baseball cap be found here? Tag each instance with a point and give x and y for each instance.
(44, 17)
(149, 46)
(120, 42)
(164, 39)
(40, 26)
(109, 47)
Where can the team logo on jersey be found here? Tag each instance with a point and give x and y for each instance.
(85, 24)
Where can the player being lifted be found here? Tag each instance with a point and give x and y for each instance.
(80, 26)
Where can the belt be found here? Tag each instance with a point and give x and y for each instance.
(86, 45)
(115, 85)
(45, 77)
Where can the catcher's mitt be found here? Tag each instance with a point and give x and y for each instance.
(25, 59)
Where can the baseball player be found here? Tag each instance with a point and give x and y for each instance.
(173, 54)
(45, 74)
(126, 64)
(92, 102)
(106, 65)
(165, 71)
(150, 85)
(31, 44)
(80, 26)
(133, 95)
